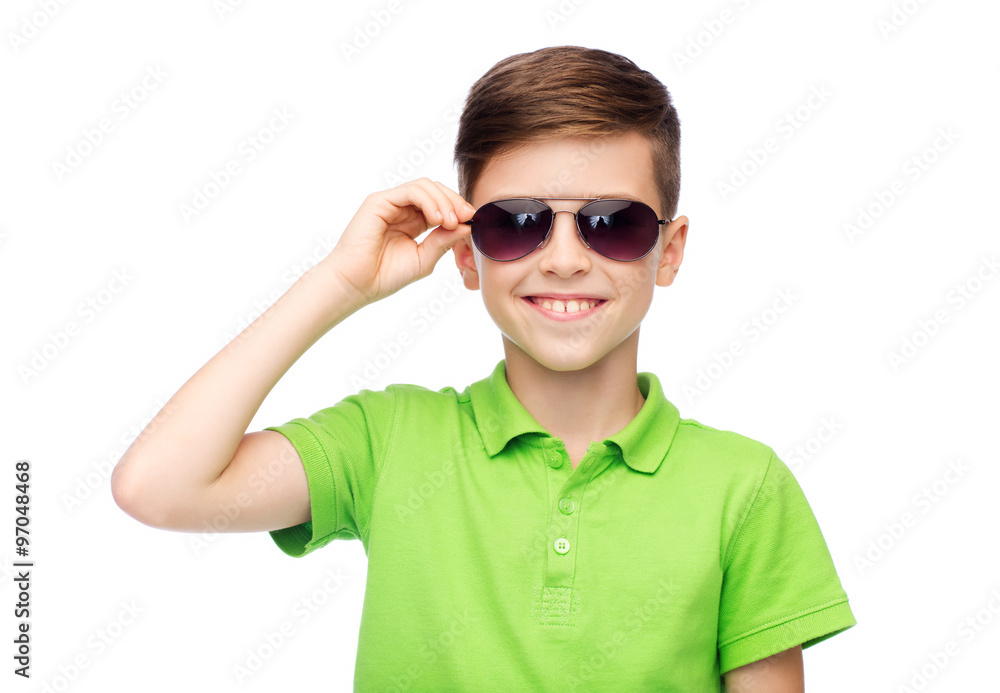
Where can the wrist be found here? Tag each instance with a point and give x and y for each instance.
(340, 298)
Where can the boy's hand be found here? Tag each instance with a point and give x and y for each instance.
(378, 254)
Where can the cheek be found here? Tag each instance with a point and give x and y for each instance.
(497, 285)
(636, 286)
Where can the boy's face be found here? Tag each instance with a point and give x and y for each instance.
(606, 167)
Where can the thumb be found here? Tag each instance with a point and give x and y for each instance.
(439, 242)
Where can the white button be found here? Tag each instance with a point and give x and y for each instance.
(561, 545)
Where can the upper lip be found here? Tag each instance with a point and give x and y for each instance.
(565, 297)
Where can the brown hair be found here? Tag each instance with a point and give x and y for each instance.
(568, 91)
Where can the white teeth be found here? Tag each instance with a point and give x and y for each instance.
(570, 306)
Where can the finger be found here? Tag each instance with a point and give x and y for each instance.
(443, 208)
(463, 209)
(438, 243)
(426, 198)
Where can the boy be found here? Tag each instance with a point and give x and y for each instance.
(556, 525)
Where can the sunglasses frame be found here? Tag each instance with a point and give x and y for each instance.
(576, 218)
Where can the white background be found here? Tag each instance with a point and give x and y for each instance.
(894, 79)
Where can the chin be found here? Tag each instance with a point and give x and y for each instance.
(576, 359)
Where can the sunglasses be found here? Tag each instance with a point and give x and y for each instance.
(623, 230)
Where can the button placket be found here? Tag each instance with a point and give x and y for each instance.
(566, 489)
(561, 528)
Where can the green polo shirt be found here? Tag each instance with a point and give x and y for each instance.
(673, 553)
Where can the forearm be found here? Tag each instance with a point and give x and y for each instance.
(779, 673)
(193, 438)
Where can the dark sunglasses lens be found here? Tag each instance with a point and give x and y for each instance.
(619, 229)
(510, 229)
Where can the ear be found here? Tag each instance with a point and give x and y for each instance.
(674, 236)
(465, 260)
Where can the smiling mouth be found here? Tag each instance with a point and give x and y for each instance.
(573, 305)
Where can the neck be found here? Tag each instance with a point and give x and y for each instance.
(588, 404)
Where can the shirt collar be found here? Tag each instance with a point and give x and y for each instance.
(644, 442)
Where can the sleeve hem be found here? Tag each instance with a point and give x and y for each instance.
(806, 629)
(299, 540)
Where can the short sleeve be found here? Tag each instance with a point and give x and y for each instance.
(342, 449)
(779, 587)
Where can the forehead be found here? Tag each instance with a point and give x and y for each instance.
(605, 194)
(613, 166)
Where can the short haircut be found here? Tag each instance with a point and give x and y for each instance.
(568, 91)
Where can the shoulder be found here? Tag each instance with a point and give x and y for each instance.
(733, 463)
(416, 400)
(720, 447)
(410, 392)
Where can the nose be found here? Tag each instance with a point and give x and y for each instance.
(564, 252)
